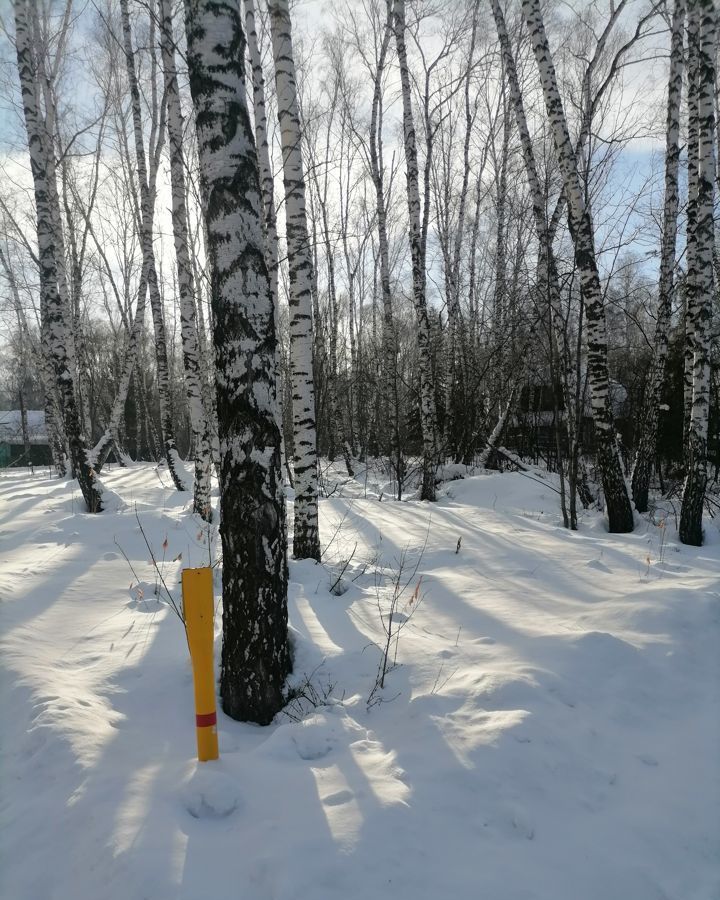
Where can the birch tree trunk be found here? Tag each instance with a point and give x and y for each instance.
(700, 295)
(147, 215)
(306, 536)
(256, 653)
(547, 274)
(54, 324)
(693, 51)
(649, 422)
(620, 515)
(496, 434)
(390, 427)
(428, 415)
(500, 294)
(188, 324)
(267, 182)
(46, 75)
(456, 392)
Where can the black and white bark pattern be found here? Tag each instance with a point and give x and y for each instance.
(693, 50)
(428, 416)
(700, 290)
(147, 217)
(255, 654)
(649, 422)
(267, 183)
(619, 510)
(306, 535)
(55, 327)
(188, 325)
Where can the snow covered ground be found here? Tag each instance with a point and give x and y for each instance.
(552, 731)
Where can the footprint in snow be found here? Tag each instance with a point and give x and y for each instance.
(599, 565)
(338, 798)
(210, 795)
(314, 738)
(311, 739)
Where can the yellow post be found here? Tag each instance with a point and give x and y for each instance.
(197, 589)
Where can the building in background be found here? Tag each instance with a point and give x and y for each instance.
(18, 449)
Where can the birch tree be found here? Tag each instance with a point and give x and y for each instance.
(268, 191)
(619, 510)
(428, 414)
(255, 654)
(54, 315)
(188, 325)
(700, 280)
(644, 456)
(147, 217)
(306, 535)
(390, 384)
(547, 274)
(693, 164)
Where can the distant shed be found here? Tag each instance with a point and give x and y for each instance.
(12, 445)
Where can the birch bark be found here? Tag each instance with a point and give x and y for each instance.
(54, 324)
(188, 324)
(255, 654)
(267, 185)
(428, 415)
(306, 536)
(700, 296)
(693, 161)
(649, 422)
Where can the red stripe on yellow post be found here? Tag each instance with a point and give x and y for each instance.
(197, 589)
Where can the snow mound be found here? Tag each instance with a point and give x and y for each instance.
(210, 794)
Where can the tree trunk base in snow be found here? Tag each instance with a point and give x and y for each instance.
(690, 530)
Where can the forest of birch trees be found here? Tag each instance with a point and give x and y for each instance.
(246, 239)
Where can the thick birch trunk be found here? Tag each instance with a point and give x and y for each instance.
(620, 515)
(188, 325)
(700, 295)
(428, 416)
(306, 539)
(693, 162)
(649, 422)
(256, 653)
